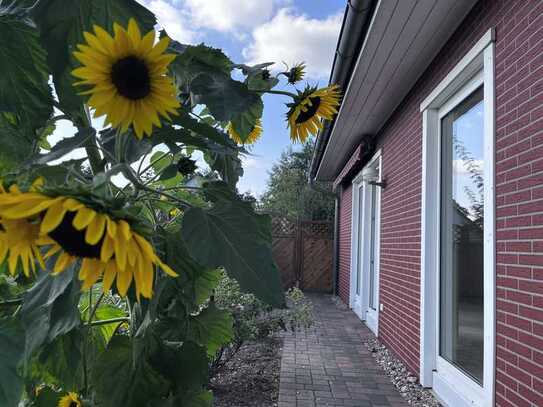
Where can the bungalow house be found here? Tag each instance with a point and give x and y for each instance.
(436, 156)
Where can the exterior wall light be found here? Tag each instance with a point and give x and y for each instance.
(372, 176)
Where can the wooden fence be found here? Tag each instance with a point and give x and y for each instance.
(303, 252)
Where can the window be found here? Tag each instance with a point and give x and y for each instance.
(458, 232)
(462, 230)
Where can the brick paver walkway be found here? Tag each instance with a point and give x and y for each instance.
(328, 365)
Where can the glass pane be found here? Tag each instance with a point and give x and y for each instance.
(461, 274)
(373, 245)
(360, 239)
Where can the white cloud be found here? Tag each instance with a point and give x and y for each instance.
(293, 38)
(229, 15)
(174, 19)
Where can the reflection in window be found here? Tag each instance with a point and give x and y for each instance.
(462, 203)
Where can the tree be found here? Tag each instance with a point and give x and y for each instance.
(288, 191)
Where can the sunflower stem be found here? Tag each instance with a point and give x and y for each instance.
(93, 154)
(109, 321)
(11, 303)
(153, 163)
(278, 92)
(95, 308)
(169, 196)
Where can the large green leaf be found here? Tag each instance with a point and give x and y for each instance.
(192, 60)
(192, 357)
(119, 380)
(24, 90)
(50, 308)
(195, 283)
(211, 328)
(62, 23)
(15, 142)
(245, 121)
(203, 129)
(47, 397)
(67, 145)
(205, 72)
(62, 359)
(11, 354)
(228, 166)
(224, 97)
(232, 235)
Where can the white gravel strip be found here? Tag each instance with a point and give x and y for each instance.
(406, 382)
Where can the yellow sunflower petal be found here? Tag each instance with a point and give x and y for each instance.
(108, 248)
(63, 261)
(83, 218)
(124, 278)
(109, 275)
(53, 217)
(96, 229)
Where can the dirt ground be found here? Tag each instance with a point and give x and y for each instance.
(251, 377)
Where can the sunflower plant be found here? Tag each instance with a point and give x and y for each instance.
(113, 239)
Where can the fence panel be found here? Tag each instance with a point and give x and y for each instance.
(303, 253)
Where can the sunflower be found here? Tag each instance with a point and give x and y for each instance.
(70, 400)
(253, 136)
(127, 73)
(19, 240)
(296, 73)
(309, 108)
(107, 248)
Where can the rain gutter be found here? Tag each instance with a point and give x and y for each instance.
(356, 21)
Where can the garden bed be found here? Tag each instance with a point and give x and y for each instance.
(251, 377)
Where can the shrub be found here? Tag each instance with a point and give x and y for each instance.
(255, 320)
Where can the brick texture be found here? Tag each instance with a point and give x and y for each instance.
(345, 212)
(519, 199)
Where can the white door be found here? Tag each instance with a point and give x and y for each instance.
(357, 250)
(371, 260)
(365, 246)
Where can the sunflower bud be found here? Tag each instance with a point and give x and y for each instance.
(296, 73)
(266, 74)
(186, 166)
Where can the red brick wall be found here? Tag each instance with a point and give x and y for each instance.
(519, 181)
(345, 204)
(519, 199)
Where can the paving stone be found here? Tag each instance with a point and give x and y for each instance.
(327, 365)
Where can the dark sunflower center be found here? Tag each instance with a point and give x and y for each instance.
(73, 240)
(73, 404)
(131, 77)
(311, 110)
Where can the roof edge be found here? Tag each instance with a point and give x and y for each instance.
(353, 32)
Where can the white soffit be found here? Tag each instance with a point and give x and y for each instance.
(403, 38)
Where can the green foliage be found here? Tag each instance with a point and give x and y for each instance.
(24, 90)
(50, 309)
(288, 192)
(256, 320)
(11, 353)
(231, 234)
(130, 351)
(119, 379)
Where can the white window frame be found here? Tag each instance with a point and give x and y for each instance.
(453, 387)
(359, 252)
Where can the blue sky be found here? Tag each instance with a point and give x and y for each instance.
(260, 31)
(253, 31)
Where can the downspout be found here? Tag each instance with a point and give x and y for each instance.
(351, 38)
(335, 257)
(353, 32)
